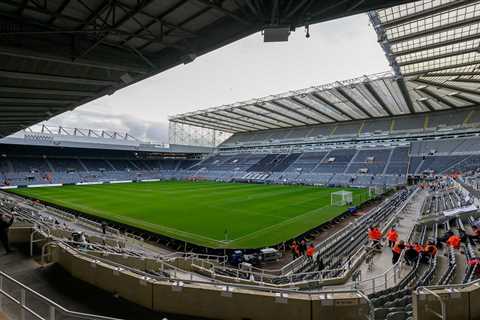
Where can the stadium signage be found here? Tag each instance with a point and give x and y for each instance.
(88, 183)
(44, 185)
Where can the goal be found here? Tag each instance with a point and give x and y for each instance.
(374, 191)
(341, 198)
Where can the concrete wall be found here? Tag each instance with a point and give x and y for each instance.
(461, 304)
(210, 301)
(19, 233)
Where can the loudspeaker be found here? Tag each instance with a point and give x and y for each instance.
(278, 34)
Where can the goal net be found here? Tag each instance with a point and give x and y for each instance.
(341, 198)
(374, 191)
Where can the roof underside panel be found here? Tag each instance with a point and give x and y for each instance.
(59, 54)
(375, 96)
(431, 36)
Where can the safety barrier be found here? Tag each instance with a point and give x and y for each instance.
(453, 301)
(207, 299)
(19, 302)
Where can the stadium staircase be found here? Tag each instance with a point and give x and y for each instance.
(264, 164)
(389, 160)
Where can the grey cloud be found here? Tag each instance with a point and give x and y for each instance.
(139, 128)
(337, 50)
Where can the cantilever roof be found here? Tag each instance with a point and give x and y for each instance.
(58, 54)
(374, 96)
(430, 37)
(433, 48)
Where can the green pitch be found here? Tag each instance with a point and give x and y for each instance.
(215, 215)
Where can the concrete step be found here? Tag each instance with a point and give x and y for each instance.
(459, 273)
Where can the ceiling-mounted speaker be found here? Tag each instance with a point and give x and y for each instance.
(277, 34)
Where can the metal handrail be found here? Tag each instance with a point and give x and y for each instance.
(53, 307)
(371, 313)
(164, 266)
(394, 268)
(325, 244)
(45, 229)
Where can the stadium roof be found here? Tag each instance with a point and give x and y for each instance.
(58, 54)
(374, 96)
(433, 48)
(430, 37)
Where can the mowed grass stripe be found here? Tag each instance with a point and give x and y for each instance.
(254, 216)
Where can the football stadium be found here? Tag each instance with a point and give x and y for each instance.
(352, 199)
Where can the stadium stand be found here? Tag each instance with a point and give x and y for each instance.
(410, 137)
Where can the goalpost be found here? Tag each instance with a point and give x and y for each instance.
(374, 191)
(341, 198)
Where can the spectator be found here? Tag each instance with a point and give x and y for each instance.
(474, 262)
(375, 236)
(310, 252)
(411, 255)
(295, 250)
(418, 248)
(104, 227)
(320, 263)
(6, 220)
(475, 235)
(303, 247)
(444, 238)
(454, 241)
(429, 251)
(392, 237)
(397, 250)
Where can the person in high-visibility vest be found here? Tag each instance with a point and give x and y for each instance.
(310, 252)
(418, 247)
(375, 235)
(392, 237)
(429, 251)
(454, 241)
(397, 250)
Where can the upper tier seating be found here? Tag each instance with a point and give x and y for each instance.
(29, 165)
(398, 162)
(417, 123)
(373, 160)
(307, 161)
(66, 164)
(336, 161)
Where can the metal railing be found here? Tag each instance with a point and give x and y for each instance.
(393, 275)
(19, 302)
(390, 277)
(328, 242)
(263, 278)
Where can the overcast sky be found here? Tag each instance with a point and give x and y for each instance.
(337, 50)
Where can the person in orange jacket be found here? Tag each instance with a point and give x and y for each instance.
(310, 252)
(397, 250)
(375, 235)
(430, 249)
(454, 241)
(418, 247)
(392, 237)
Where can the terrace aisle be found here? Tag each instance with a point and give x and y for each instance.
(382, 262)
